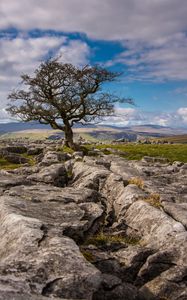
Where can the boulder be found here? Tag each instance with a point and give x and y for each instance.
(131, 260)
(124, 168)
(152, 223)
(170, 285)
(113, 288)
(177, 210)
(26, 170)
(34, 150)
(78, 154)
(15, 158)
(9, 180)
(131, 193)
(88, 176)
(19, 149)
(76, 212)
(52, 157)
(36, 259)
(55, 174)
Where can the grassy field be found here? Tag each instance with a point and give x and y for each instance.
(135, 151)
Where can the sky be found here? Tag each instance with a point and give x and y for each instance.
(146, 40)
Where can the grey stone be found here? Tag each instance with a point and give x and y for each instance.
(34, 150)
(78, 154)
(75, 211)
(149, 159)
(177, 210)
(54, 158)
(10, 180)
(124, 169)
(40, 225)
(36, 259)
(152, 223)
(55, 174)
(184, 167)
(88, 176)
(15, 158)
(19, 149)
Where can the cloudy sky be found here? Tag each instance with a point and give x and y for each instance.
(146, 40)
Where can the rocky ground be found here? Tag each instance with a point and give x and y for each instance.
(92, 227)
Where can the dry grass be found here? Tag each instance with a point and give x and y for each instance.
(154, 200)
(137, 181)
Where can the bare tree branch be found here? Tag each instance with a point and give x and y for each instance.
(62, 94)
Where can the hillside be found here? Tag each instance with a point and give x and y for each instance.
(177, 139)
(92, 132)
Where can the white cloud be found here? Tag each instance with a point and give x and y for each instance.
(164, 59)
(106, 19)
(133, 116)
(182, 112)
(153, 32)
(76, 52)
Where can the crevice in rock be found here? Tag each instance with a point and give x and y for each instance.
(48, 288)
(45, 232)
(156, 271)
(81, 236)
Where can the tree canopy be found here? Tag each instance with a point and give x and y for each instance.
(62, 94)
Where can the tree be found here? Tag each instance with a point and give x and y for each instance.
(62, 94)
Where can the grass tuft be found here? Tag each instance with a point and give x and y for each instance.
(88, 255)
(137, 181)
(65, 149)
(154, 200)
(101, 239)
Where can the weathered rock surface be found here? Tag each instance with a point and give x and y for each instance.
(15, 158)
(101, 227)
(20, 149)
(36, 258)
(52, 157)
(55, 174)
(88, 175)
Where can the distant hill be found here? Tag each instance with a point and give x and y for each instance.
(19, 126)
(182, 139)
(93, 132)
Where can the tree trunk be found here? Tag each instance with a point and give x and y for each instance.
(69, 136)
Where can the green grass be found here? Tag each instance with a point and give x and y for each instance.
(5, 165)
(65, 149)
(137, 151)
(31, 159)
(87, 255)
(101, 239)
